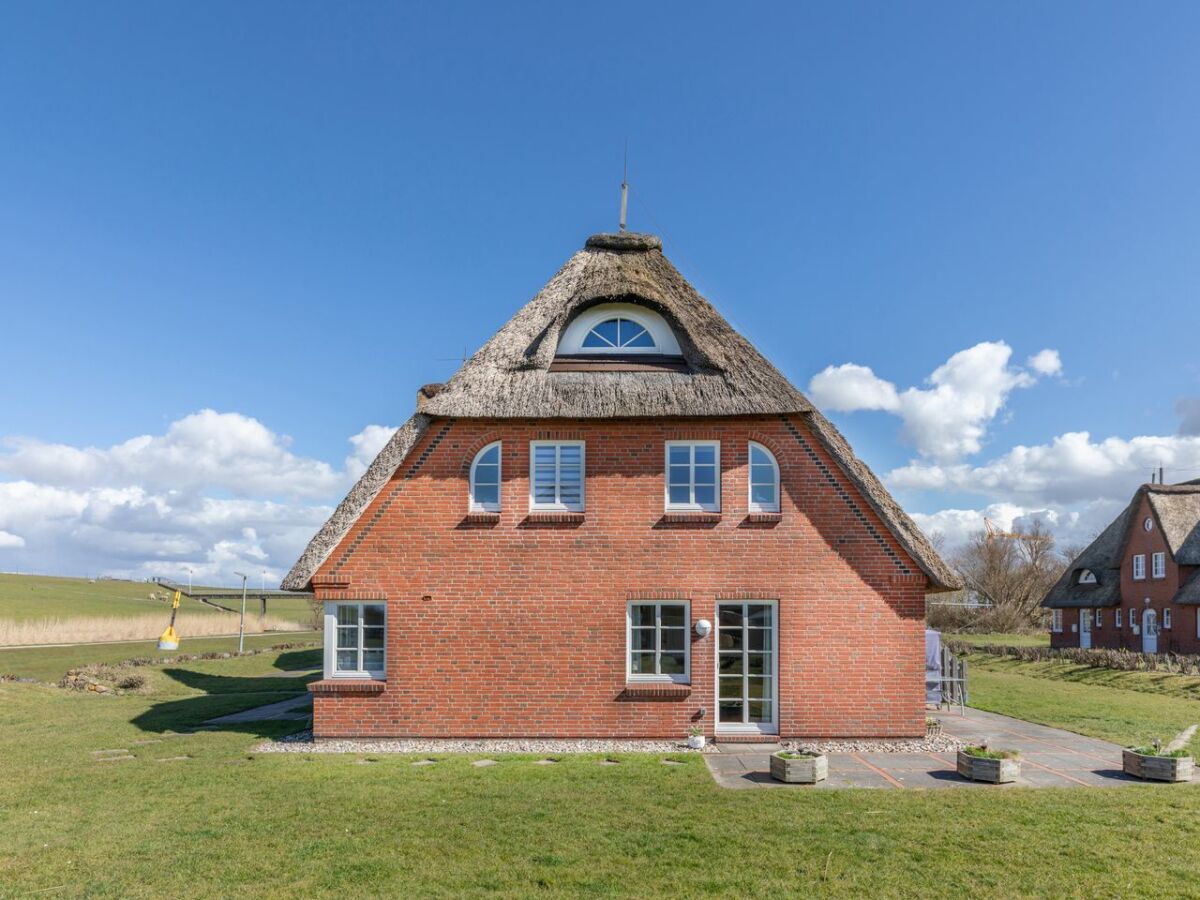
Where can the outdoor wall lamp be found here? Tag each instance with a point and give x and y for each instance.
(703, 628)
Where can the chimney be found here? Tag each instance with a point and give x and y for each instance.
(427, 392)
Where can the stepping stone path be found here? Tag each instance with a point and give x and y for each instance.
(171, 758)
(483, 763)
(610, 762)
(112, 755)
(141, 743)
(425, 762)
(671, 762)
(546, 762)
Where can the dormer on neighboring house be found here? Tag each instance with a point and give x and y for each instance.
(1146, 567)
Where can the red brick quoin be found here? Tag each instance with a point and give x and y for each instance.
(512, 625)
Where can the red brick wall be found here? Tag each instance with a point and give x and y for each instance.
(1180, 637)
(517, 627)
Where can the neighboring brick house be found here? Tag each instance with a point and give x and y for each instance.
(1137, 586)
(618, 519)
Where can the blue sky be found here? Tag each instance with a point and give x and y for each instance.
(294, 214)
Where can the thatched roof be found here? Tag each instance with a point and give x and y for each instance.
(722, 375)
(509, 377)
(1177, 508)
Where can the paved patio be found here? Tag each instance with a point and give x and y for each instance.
(1050, 757)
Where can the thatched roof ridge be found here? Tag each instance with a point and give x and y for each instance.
(509, 376)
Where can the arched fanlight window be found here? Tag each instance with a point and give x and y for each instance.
(618, 329)
(485, 479)
(764, 480)
(618, 334)
(1087, 576)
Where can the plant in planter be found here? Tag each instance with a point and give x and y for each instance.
(799, 767)
(933, 727)
(695, 738)
(1156, 764)
(992, 766)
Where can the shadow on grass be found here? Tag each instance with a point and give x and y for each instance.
(222, 695)
(299, 660)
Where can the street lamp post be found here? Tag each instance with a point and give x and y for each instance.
(242, 621)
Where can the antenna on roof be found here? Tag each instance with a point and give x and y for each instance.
(625, 187)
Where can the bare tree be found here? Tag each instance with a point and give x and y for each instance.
(1012, 574)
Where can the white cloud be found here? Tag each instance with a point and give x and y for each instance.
(1070, 469)
(948, 419)
(1188, 410)
(851, 387)
(1045, 362)
(217, 492)
(207, 449)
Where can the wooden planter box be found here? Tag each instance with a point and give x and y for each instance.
(1157, 768)
(992, 771)
(804, 770)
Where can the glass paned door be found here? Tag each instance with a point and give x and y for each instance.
(747, 699)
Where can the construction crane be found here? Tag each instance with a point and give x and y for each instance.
(993, 532)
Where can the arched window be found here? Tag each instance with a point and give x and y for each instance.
(618, 328)
(764, 480)
(1087, 576)
(485, 479)
(618, 333)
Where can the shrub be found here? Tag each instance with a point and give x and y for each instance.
(985, 753)
(1096, 658)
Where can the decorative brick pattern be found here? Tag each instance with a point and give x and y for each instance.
(518, 629)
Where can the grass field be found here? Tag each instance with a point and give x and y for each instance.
(1123, 707)
(51, 663)
(1003, 640)
(30, 597)
(226, 821)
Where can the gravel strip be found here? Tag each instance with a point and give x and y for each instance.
(941, 744)
(302, 742)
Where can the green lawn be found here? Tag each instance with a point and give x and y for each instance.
(26, 597)
(1124, 707)
(226, 821)
(999, 639)
(51, 663)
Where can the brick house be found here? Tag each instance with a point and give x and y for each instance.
(617, 519)
(1137, 586)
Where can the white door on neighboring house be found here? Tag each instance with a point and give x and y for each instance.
(1149, 631)
(1085, 628)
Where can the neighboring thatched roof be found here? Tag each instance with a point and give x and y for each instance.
(1177, 508)
(510, 377)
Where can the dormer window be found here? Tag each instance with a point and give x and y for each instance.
(618, 334)
(1087, 576)
(617, 329)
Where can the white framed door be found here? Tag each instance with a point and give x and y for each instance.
(747, 667)
(1085, 628)
(1149, 631)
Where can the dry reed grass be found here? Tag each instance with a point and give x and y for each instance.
(133, 628)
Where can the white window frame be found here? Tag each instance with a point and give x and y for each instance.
(1139, 567)
(1166, 618)
(630, 675)
(1099, 618)
(750, 504)
(1087, 576)
(331, 626)
(1056, 621)
(571, 342)
(1158, 565)
(715, 506)
(487, 507)
(1118, 617)
(558, 505)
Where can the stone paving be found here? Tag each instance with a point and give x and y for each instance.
(1050, 757)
